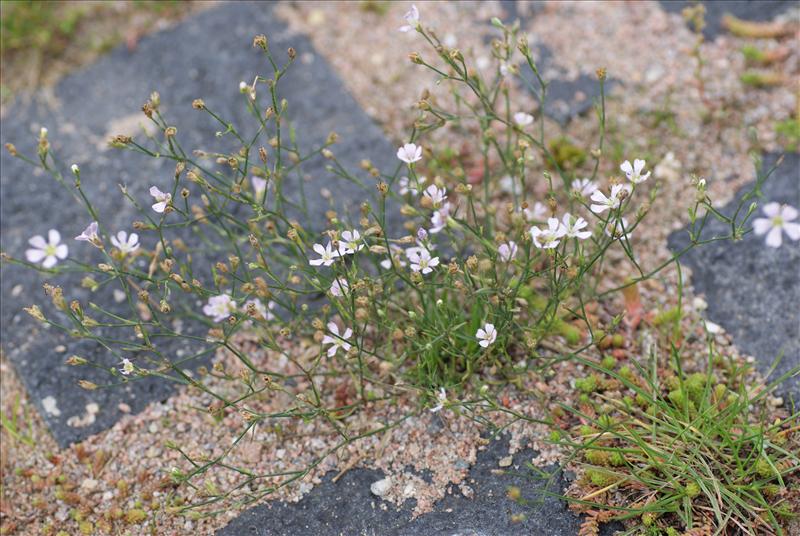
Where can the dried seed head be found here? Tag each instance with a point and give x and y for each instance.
(198, 104)
(260, 41)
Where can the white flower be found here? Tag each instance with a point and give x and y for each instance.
(327, 255)
(618, 229)
(421, 260)
(779, 219)
(535, 213)
(410, 153)
(634, 173)
(439, 218)
(507, 251)
(573, 226)
(486, 335)
(412, 20)
(259, 187)
(350, 243)
(90, 235)
(522, 119)
(47, 252)
(339, 287)
(603, 203)
(127, 367)
(337, 341)
(550, 237)
(436, 195)
(441, 397)
(75, 169)
(162, 199)
(249, 90)
(584, 186)
(219, 307)
(126, 243)
(43, 132)
(410, 186)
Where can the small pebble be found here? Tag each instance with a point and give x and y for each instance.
(381, 487)
(506, 462)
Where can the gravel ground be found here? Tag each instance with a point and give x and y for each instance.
(118, 481)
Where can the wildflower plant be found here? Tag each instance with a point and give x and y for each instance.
(462, 288)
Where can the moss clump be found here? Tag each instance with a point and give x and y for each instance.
(566, 154)
(587, 385)
(135, 516)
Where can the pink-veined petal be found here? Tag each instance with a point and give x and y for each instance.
(49, 261)
(62, 251)
(54, 237)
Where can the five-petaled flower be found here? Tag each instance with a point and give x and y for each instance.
(412, 20)
(340, 287)
(634, 173)
(337, 341)
(219, 307)
(550, 237)
(410, 185)
(350, 243)
(90, 235)
(603, 203)
(507, 251)
(127, 367)
(162, 199)
(436, 195)
(585, 187)
(49, 251)
(327, 255)
(522, 119)
(410, 153)
(486, 335)
(779, 219)
(126, 243)
(421, 260)
(572, 227)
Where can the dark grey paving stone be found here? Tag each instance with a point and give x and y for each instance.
(206, 56)
(753, 10)
(567, 98)
(753, 290)
(349, 508)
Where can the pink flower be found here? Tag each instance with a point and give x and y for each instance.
(219, 307)
(507, 251)
(90, 235)
(162, 199)
(412, 20)
(634, 173)
(572, 229)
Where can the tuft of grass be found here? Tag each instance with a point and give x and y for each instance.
(789, 130)
(762, 79)
(13, 425)
(686, 451)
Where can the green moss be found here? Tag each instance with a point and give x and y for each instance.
(587, 384)
(608, 362)
(567, 155)
(135, 516)
(789, 131)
